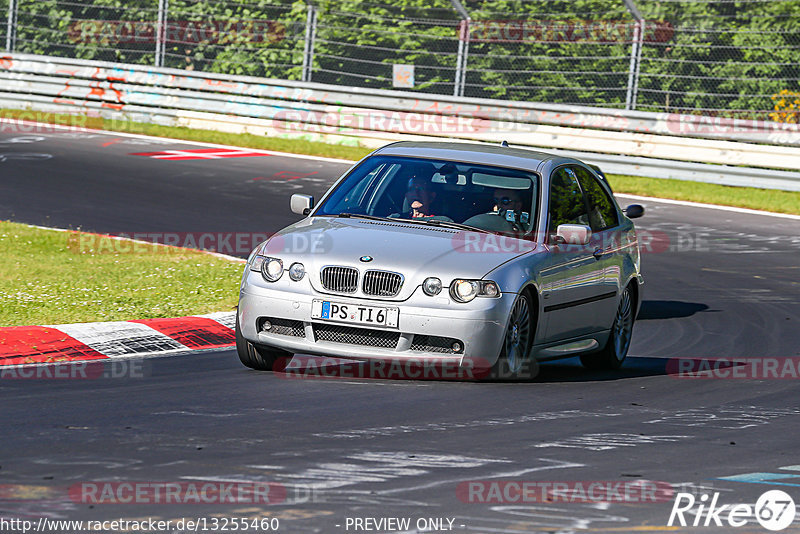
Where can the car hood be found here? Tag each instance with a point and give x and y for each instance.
(413, 250)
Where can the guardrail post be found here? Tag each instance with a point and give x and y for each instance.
(161, 32)
(636, 55)
(311, 35)
(463, 48)
(11, 30)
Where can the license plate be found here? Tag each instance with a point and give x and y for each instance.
(354, 313)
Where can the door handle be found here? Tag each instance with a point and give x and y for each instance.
(598, 253)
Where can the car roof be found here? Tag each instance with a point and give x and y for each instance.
(486, 154)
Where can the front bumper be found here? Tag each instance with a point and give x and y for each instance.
(479, 325)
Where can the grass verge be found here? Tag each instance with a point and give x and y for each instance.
(743, 197)
(54, 277)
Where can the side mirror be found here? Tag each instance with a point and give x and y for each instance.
(573, 234)
(302, 204)
(634, 211)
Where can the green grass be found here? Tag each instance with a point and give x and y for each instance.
(742, 197)
(52, 277)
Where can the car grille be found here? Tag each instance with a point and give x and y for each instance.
(423, 343)
(382, 283)
(284, 327)
(356, 336)
(339, 279)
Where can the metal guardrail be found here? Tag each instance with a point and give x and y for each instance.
(647, 144)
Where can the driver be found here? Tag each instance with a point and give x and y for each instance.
(420, 197)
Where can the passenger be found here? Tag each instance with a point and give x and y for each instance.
(507, 200)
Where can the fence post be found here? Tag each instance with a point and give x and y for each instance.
(161, 32)
(463, 48)
(642, 29)
(11, 29)
(311, 35)
(636, 55)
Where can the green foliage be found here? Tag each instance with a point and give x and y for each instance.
(699, 56)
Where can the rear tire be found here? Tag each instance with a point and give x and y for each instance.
(616, 349)
(258, 357)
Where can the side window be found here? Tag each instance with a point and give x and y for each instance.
(602, 213)
(566, 200)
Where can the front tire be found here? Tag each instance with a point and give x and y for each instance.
(616, 349)
(255, 357)
(514, 361)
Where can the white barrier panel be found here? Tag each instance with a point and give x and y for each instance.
(330, 114)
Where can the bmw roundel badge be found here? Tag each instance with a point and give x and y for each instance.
(366, 259)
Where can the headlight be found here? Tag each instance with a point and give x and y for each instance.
(297, 271)
(467, 290)
(272, 269)
(432, 286)
(464, 290)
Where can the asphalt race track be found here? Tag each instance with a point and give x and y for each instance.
(718, 284)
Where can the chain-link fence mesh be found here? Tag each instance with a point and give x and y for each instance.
(724, 57)
(546, 51)
(249, 38)
(738, 56)
(108, 30)
(357, 43)
(4, 14)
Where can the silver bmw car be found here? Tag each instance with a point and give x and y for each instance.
(478, 256)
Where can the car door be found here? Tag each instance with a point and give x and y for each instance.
(571, 278)
(605, 244)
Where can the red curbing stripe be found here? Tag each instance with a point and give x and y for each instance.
(39, 344)
(194, 332)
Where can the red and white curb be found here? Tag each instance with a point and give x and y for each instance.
(25, 345)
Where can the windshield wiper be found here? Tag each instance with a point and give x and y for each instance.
(427, 222)
(446, 224)
(363, 216)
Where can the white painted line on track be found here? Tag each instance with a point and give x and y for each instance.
(709, 206)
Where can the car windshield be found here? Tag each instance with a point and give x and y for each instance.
(494, 199)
